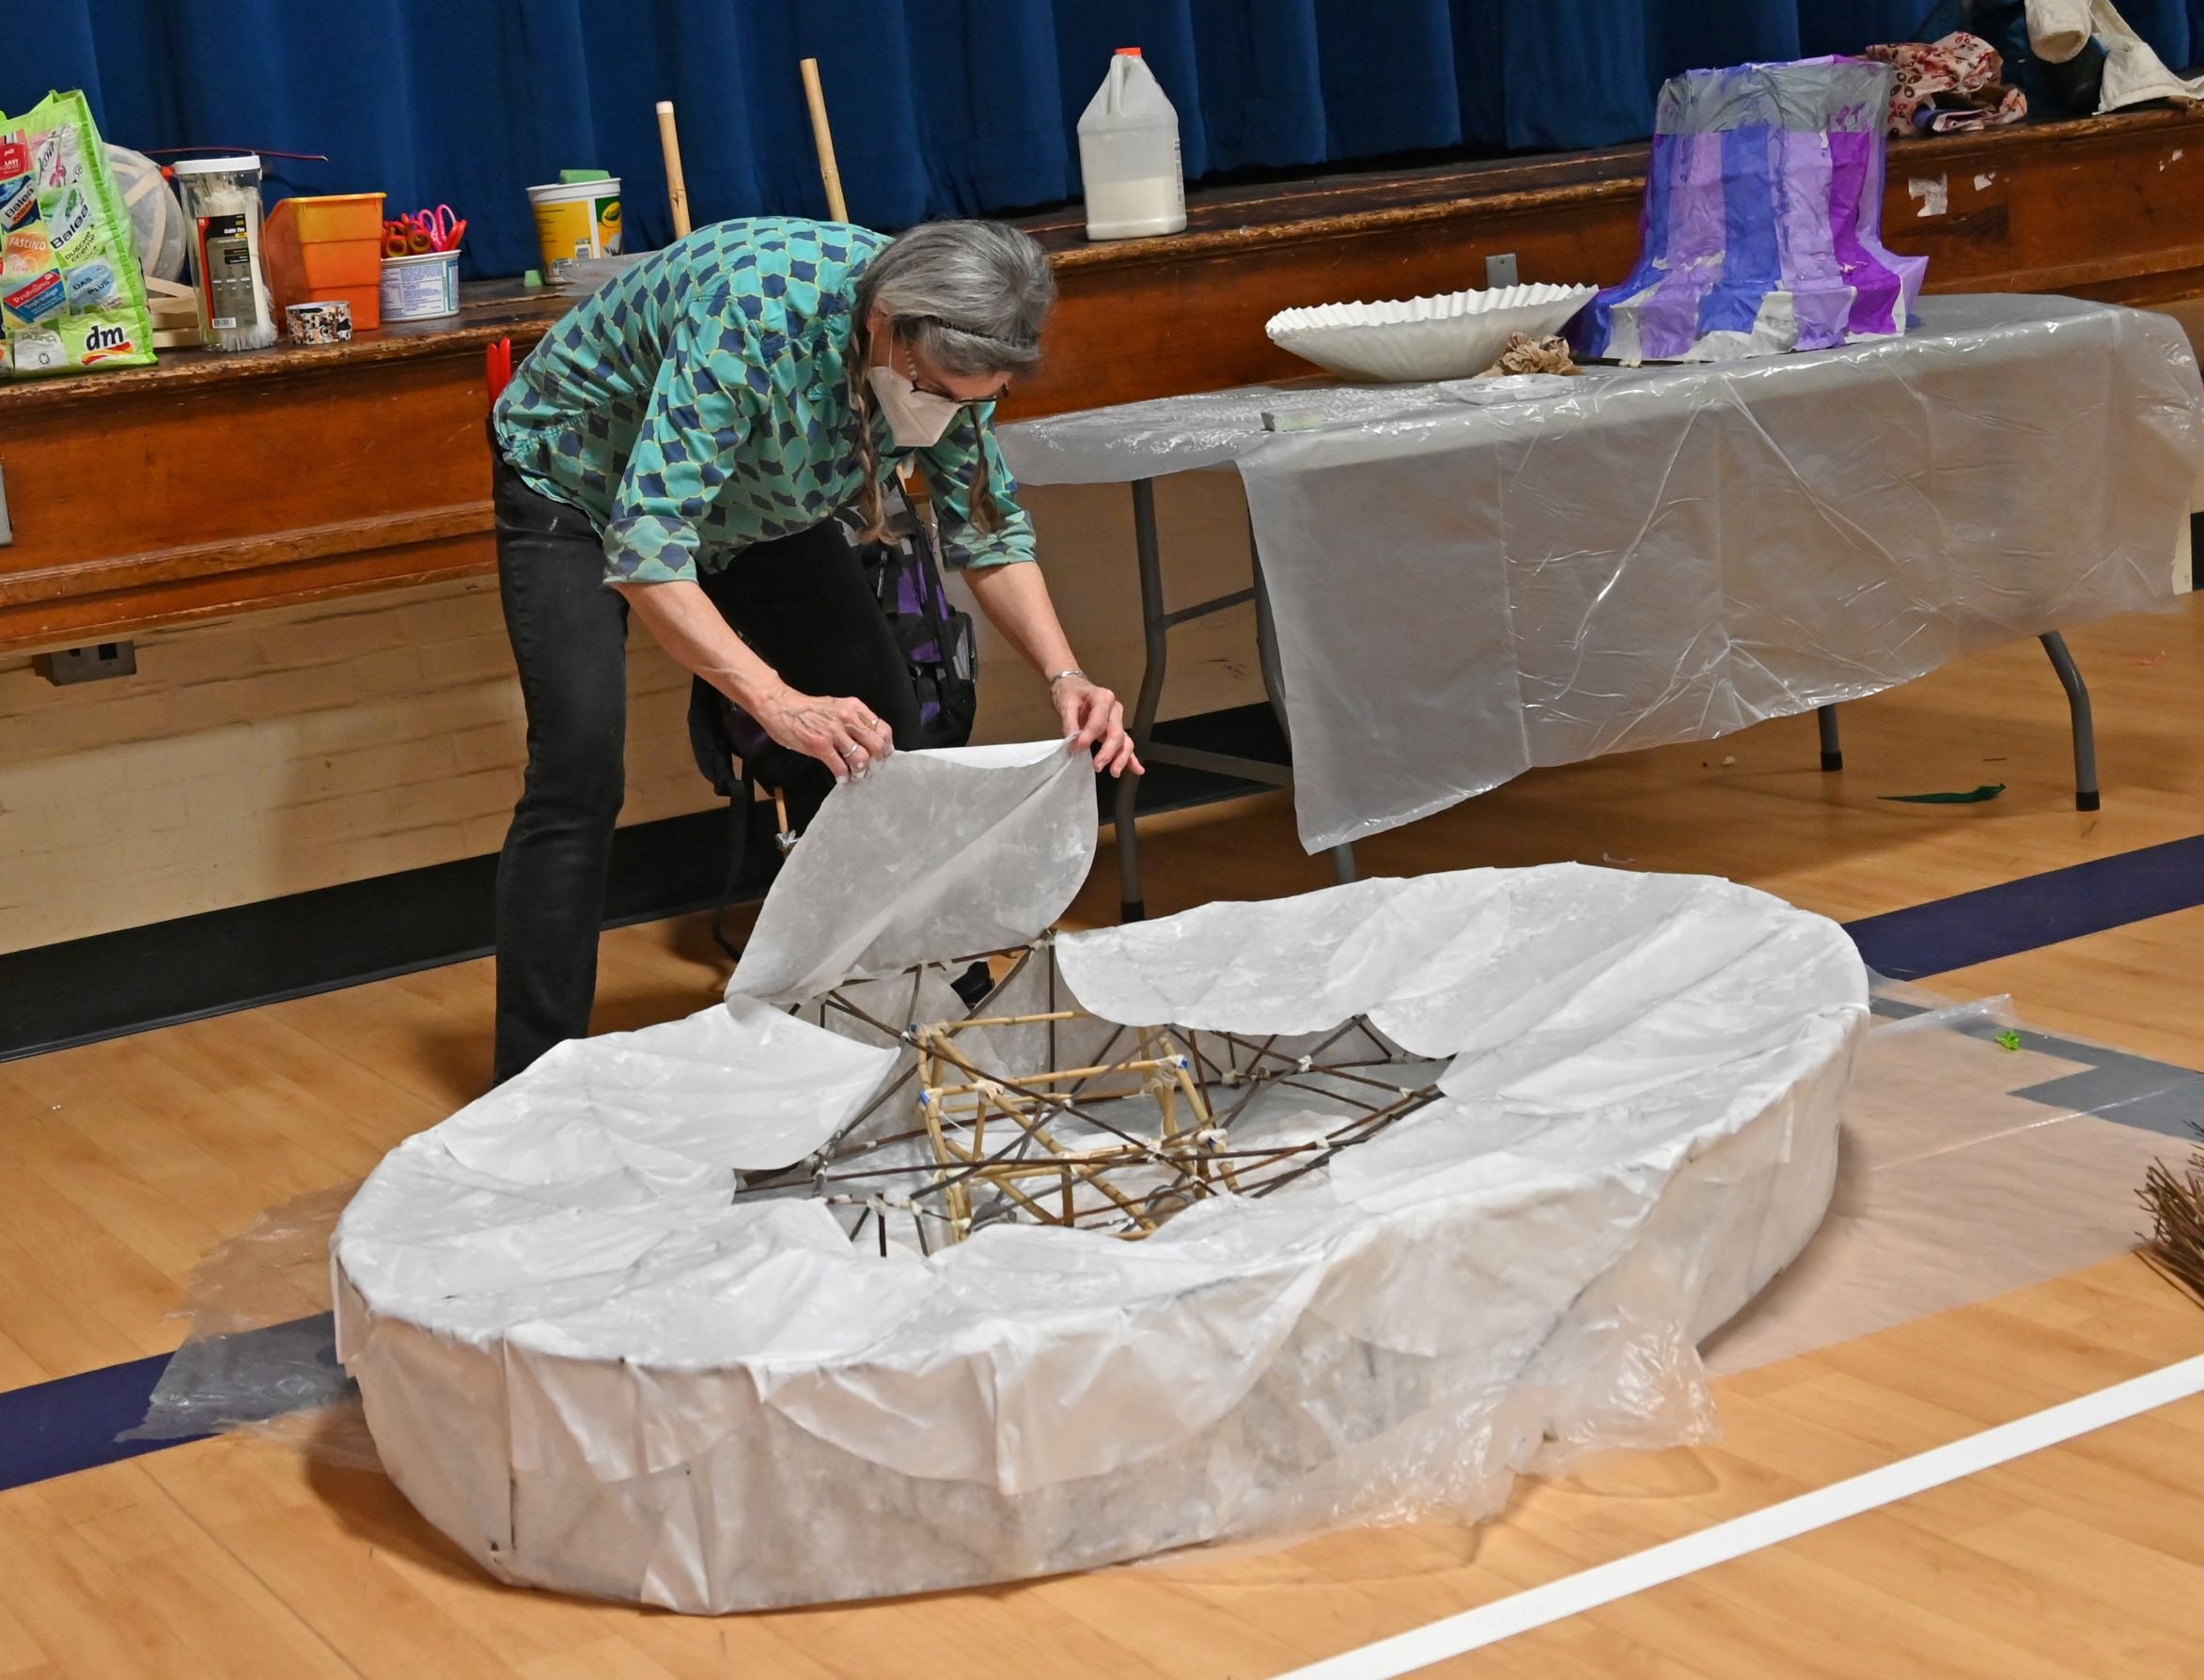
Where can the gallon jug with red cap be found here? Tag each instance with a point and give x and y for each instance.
(1128, 155)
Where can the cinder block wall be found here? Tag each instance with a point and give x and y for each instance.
(279, 752)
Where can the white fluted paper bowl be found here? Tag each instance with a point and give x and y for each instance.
(1405, 340)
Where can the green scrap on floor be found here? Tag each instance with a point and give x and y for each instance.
(1988, 790)
(2009, 1040)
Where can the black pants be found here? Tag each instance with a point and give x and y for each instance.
(801, 602)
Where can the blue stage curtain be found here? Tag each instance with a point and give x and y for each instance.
(941, 107)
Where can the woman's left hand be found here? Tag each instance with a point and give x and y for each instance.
(1093, 717)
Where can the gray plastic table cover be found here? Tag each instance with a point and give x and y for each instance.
(1476, 577)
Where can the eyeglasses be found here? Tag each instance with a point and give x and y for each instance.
(921, 384)
(925, 389)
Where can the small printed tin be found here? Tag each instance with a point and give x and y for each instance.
(320, 323)
(421, 288)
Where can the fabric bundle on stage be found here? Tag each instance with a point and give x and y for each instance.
(1951, 86)
(1762, 220)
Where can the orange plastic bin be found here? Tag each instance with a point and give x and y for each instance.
(319, 250)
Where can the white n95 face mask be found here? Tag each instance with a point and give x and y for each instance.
(915, 418)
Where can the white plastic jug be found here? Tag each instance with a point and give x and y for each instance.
(1128, 155)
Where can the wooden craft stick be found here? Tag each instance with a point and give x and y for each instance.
(677, 189)
(822, 137)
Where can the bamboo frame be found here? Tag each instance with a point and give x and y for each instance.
(1188, 1147)
(990, 1144)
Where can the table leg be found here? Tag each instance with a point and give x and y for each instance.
(2077, 700)
(1832, 748)
(1155, 626)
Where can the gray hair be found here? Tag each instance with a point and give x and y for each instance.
(969, 296)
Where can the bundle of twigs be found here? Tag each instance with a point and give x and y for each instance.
(1526, 354)
(2175, 1205)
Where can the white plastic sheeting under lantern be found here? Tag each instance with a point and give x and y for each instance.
(1477, 577)
(598, 1370)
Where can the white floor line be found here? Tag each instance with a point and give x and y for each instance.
(1502, 1619)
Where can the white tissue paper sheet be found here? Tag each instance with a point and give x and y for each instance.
(1475, 578)
(933, 855)
(599, 1374)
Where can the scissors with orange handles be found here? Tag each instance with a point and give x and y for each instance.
(443, 227)
(424, 231)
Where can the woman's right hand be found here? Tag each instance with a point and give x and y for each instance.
(842, 734)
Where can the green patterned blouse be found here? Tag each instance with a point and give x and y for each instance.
(700, 403)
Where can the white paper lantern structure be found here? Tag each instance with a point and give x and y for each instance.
(1426, 1175)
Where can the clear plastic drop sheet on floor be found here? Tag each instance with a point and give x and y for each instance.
(1979, 1154)
(1511, 1145)
(1966, 1168)
(1474, 578)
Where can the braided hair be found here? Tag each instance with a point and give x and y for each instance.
(969, 298)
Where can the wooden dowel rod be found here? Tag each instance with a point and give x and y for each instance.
(1008, 1020)
(677, 189)
(1030, 1205)
(1057, 1076)
(822, 137)
(955, 1058)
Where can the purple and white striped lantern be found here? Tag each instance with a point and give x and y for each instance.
(1762, 223)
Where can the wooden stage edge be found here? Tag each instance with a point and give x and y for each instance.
(211, 485)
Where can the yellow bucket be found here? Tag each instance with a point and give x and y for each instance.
(575, 221)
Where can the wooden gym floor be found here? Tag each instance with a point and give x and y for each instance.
(122, 1163)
